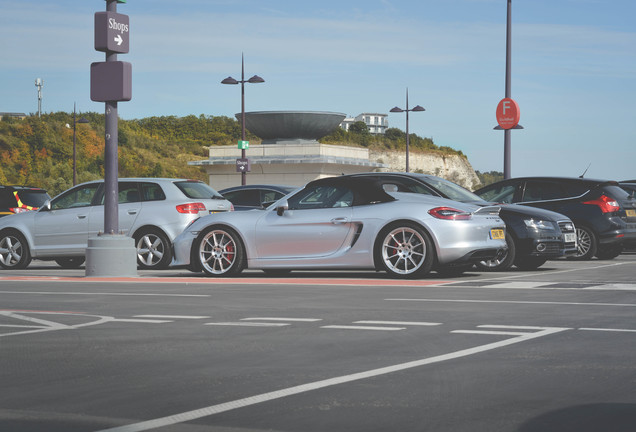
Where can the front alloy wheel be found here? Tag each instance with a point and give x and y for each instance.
(14, 251)
(405, 251)
(220, 252)
(501, 262)
(586, 243)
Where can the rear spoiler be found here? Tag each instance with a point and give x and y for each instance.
(491, 210)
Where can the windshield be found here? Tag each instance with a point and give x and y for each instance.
(452, 190)
(197, 190)
(34, 198)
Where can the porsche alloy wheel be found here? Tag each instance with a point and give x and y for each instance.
(220, 252)
(405, 251)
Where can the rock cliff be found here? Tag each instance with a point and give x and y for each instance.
(455, 168)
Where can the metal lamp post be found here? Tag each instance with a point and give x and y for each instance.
(415, 108)
(229, 80)
(82, 120)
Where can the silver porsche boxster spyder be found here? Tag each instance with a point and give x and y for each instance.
(345, 223)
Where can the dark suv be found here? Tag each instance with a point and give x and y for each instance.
(17, 199)
(604, 214)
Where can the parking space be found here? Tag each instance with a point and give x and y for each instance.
(315, 351)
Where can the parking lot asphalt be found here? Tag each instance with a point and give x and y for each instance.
(519, 351)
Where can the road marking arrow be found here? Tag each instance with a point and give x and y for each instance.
(118, 39)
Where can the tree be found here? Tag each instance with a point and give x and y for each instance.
(359, 127)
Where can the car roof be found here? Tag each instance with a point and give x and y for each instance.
(260, 186)
(34, 188)
(557, 178)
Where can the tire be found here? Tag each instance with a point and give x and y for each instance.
(154, 250)
(219, 251)
(586, 243)
(530, 262)
(14, 251)
(70, 262)
(405, 251)
(502, 263)
(609, 253)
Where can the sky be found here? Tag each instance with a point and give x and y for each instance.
(573, 68)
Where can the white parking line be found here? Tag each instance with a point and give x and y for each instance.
(134, 320)
(608, 329)
(172, 316)
(247, 324)
(350, 327)
(511, 302)
(412, 323)
(303, 388)
(282, 319)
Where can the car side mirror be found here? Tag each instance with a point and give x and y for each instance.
(282, 207)
(46, 206)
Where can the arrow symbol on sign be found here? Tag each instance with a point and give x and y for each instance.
(118, 39)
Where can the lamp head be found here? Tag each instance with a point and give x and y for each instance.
(256, 79)
(418, 108)
(396, 109)
(229, 80)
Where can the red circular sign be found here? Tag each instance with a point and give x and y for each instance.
(508, 113)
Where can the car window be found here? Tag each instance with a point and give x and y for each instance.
(152, 192)
(196, 190)
(503, 193)
(34, 198)
(79, 197)
(325, 196)
(128, 192)
(541, 191)
(248, 197)
(270, 195)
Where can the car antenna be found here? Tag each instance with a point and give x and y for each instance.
(588, 167)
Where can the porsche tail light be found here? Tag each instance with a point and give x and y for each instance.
(606, 204)
(191, 208)
(449, 213)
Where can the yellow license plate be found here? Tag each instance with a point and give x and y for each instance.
(631, 213)
(497, 234)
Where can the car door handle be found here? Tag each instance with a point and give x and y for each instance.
(81, 216)
(132, 212)
(339, 220)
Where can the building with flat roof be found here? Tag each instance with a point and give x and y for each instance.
(376, 122)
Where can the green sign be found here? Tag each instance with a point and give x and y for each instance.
(243, 145)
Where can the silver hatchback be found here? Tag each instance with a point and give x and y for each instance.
(153, 211)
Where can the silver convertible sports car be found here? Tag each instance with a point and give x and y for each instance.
(345, 223)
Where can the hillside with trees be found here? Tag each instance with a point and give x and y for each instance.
(38, 151)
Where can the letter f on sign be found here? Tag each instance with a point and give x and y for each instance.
(506, 106)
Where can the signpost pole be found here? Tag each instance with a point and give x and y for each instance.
(111, 253)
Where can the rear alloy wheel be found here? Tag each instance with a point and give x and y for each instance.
(219, 251)
(70, 262)
(586, 243)
(14, 251)
(153, 250)
(405, 251)
(502, 262)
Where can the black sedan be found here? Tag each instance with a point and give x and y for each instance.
(533, 235)
(248, 197)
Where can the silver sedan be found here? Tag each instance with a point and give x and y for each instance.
(345, 223)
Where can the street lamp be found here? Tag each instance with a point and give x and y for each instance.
(82, 120)
(415, 108)
(229, 80)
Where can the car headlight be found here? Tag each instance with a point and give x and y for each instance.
(539, 224)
